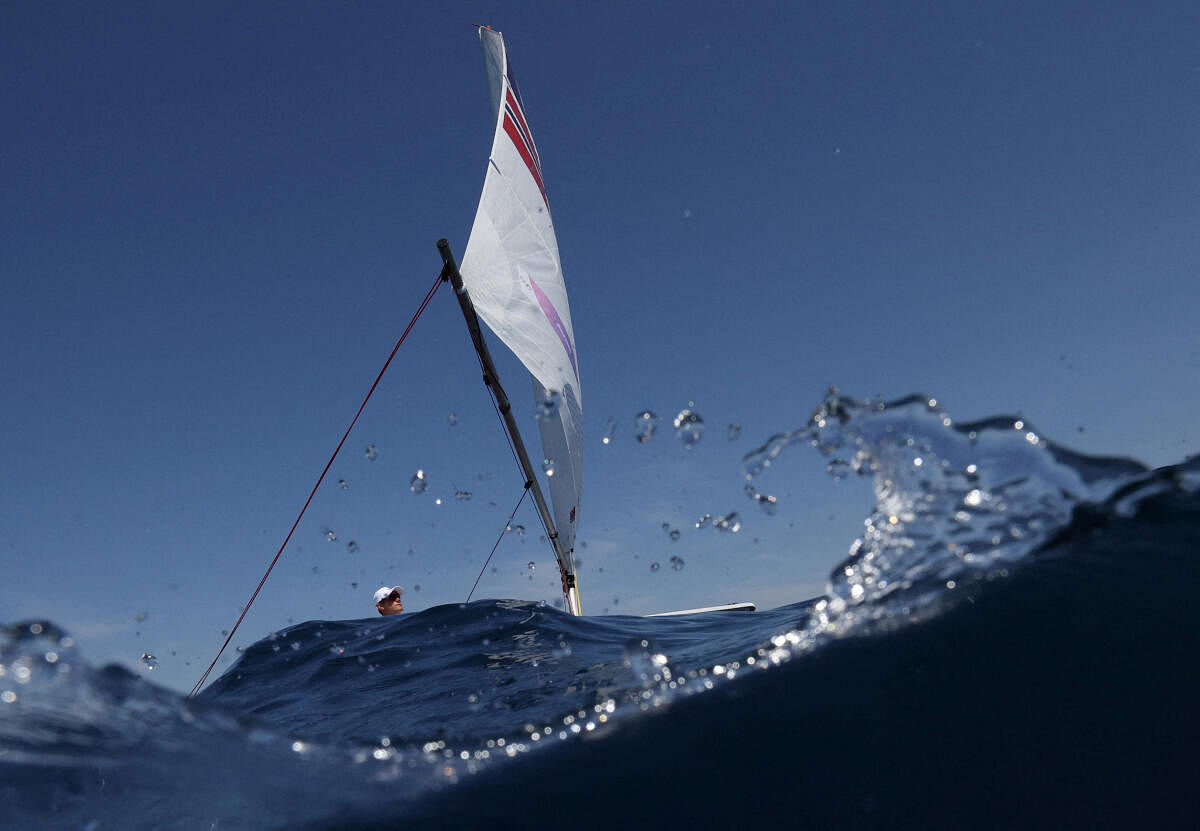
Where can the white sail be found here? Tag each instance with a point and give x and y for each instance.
(512, 272)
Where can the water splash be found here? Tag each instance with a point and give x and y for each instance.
(519, 530)
(609, 429)
(329, 534)
(452, 419)
(702, 521)
(548, 467)
(676, 563)
(674, 535)
(352, 547)
(343, 484)
(765, 500)
(548, 406)
(150, 661)
(954, 503)
(418, 484)
(644, 426)
(463, 496)
(371, 453)
(730, 522)
(733, 431)
(689, 428)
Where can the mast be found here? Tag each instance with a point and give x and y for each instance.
(566, 564)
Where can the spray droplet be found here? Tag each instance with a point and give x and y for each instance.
(609, 429)
(149, 660)
(767, 501)
(418, 484)
(676, 563)
(352, 547)
(689, 427)
(730, 522)
(732, 431)
(838, 468)
(548, 406)
(371, 453)
(645, 423)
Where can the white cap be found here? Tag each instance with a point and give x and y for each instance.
(384, 591)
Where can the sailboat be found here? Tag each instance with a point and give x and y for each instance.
(511, 278)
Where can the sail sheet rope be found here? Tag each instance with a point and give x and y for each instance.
(507, 528)
(245, 609)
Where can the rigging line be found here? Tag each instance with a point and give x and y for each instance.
(507, 526)
(245, 609)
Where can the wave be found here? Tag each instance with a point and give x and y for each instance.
(1009, 643)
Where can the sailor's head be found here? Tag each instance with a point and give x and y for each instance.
(387, 600)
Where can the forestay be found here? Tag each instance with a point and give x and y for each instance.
(512, 272)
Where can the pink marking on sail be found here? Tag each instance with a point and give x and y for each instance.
(557, 324)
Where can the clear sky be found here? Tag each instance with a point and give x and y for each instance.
(216, 220)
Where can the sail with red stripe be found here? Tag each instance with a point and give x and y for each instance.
(512, 272)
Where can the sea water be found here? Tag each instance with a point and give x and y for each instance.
(1011, 643)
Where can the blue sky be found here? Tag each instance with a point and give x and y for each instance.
(218, 220)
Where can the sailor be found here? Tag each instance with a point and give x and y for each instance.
(387, 600)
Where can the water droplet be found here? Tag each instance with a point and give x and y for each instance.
(674, 535)
(645, 423)
(352, 547)
(418, 484)
(532, 565)
(142, 616)
(452, 419)
(343, 484)
(767, 501)
(149, 660)
(654, 566)
(329, 535)
(548, 466)
(732, 431)
(371, 453)
(676, 563)
(548, 406)
(702, 521)
(730, 522)
(838, 468)
(519, 530)
(609, 429)
(462, 496)
(689, 427)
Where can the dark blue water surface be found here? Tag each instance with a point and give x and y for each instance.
(1012, 643)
